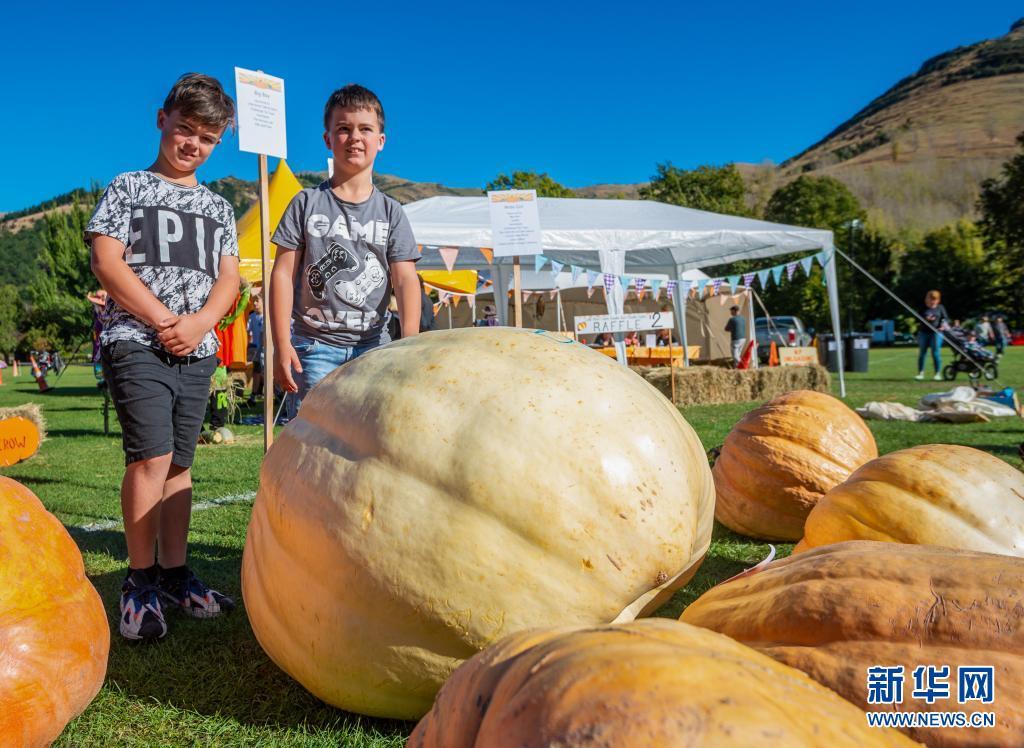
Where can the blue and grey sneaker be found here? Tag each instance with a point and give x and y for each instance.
(182, 588)
(142, 615)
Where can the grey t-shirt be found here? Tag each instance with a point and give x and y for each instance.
(343, 285)
(175, 237)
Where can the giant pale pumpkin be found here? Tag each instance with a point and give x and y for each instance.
(54, 635)
(645, 683)
(837, 610)
(781, 458)
(443, 491)
(933, 494)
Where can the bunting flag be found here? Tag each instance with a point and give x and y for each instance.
(591, 279)
(821, 257)
(716, 283)
(762, 277)
(790, 270)
(734, 282)
(556, 268)
(640, 284)
(539, 261)
(805, 263)
(655, 288)
(609, 282)
(777, 273)
(670, 289)
(456, 298)
(701, 285)
(575, 273)
(448, 254)
(488, 254)
(748, 279)
(442, 296)
(687, 285)
(590, 291)
(437, 308)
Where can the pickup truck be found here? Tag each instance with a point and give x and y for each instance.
(782, 330)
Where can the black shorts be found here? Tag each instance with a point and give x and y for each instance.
(160, 399)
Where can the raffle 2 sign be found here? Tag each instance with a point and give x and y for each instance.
(596, 324)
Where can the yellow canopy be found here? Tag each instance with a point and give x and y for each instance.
(283, 187)
(457, 281)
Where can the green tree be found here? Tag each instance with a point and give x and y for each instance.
(720, 189)
(1001, 204)
(60, 313)
(952, 260)
(530, 180)
(12, 316)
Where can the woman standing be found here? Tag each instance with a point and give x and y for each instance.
(928, 336)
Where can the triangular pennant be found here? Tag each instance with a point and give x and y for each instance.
(437, 308)
(716, 283)
(790, 270)
(640, 284)
(670, 289)
(591, 279)
(777, 273)
(488, 254)
(748, 279)
(762, 277)
(556, 268)
(734, 282)
(655, 288)
(701, 285)
(805, 263)
(448, 254)
(575, 273)
(609, 282)
(624, 282)
(821, 257)
(590, 291)
(539, 261)
(687, 287)
(456, 299)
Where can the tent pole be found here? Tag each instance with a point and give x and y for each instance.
(833, 305)
(755, 363)
(679, 302)
(268, 340)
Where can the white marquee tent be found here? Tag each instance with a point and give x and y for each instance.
(618, 237)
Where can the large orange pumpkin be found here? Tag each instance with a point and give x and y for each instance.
(648, 683)
(449, 489)
(933, 494)
(837, 610)
(54, 635)
(782, 457)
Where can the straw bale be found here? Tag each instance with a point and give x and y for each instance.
(714, 385)
(30, 412)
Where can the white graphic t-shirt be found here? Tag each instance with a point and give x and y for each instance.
(175, 237)
(343, 286)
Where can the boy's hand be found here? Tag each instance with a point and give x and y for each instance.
(285, 361)
(182, 335)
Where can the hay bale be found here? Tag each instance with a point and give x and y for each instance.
(715, 385)
(21, 432)
(29, 411)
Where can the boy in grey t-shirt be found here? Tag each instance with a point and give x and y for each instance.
(341, 248)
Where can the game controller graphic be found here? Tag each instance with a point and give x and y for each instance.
(335, 259)
(356, 291)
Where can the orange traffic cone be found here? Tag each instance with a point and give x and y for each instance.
(15, 367)
(38, 374)
(773, 355)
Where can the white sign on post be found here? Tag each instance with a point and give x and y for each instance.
(515, 223)
(261, 126)
(596, 324)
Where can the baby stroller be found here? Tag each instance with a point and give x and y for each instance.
(975, 361)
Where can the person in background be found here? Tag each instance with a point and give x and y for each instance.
(665, 338)
(928, 335)
(254, 351)
(632, 338)
(427, 320)
(1001, 335)
(737, 329)
(604, 340)
(984, 331)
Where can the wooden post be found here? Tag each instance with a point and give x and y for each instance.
(268, 340)
(517, 290)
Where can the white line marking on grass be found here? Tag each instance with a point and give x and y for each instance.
(110, 524)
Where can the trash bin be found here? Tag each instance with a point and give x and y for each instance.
(855, 351)
(828, 352)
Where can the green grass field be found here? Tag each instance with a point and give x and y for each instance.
(210, 683)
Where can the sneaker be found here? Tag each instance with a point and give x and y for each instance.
(938, 377)
(919, 377)
(142, 615)
(187, 592)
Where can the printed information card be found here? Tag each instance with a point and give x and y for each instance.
(260, 99)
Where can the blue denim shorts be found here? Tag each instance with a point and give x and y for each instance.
(319, 359)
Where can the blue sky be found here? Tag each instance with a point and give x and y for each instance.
(585, 91)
